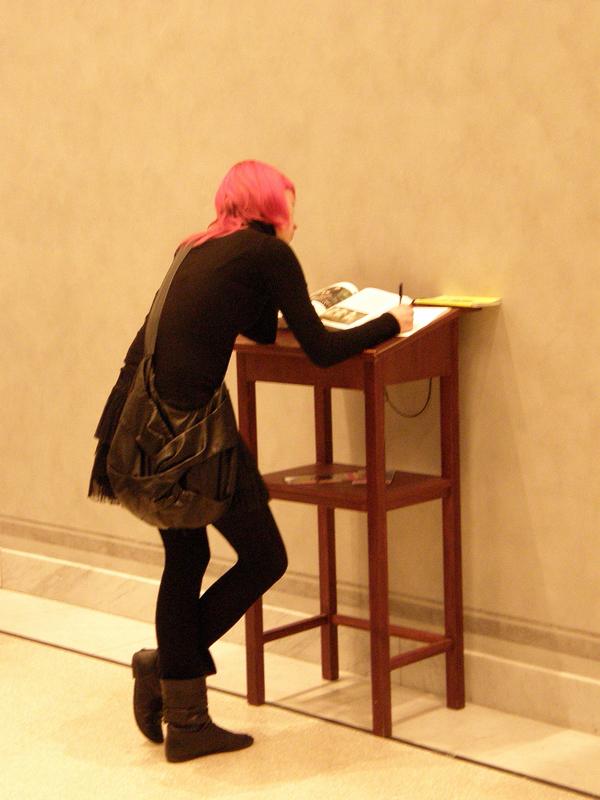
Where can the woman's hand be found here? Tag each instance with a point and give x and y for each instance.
(404, 314)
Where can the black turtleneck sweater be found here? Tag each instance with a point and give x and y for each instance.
(236, 284)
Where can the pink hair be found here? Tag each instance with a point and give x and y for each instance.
(251, 190)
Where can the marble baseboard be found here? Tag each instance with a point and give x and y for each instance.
(545, 692)
(569, 650)
(87, 547)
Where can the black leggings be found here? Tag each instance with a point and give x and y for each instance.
(187, 624)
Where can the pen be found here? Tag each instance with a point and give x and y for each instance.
(400, 291)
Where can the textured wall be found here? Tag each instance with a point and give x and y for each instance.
(450, 144)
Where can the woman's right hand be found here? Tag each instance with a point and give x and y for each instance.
(404, 314)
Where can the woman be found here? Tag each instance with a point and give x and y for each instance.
(234, 279)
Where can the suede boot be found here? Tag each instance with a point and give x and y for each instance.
(147, 697)
(190, 731)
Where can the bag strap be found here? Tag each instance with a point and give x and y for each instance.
(159, 301)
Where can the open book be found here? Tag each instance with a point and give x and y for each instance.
(357, 477)
(342, 306)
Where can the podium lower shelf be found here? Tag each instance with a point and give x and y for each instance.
(406, 488)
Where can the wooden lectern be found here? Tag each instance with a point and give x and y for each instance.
(429, 352)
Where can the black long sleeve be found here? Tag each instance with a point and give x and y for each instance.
(285, 282)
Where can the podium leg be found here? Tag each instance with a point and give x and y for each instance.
(378, 553)
(326, 526)
(246, 391)
(328, 590)
(255, 656)
(453, 608)
(379, 624)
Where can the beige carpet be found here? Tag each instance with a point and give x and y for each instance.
(68, 732)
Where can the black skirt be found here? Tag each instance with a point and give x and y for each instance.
(250, 491)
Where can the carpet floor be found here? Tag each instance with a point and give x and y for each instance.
(68, 732)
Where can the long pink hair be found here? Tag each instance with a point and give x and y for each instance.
(251, 191)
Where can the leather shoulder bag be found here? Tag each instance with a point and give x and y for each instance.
(172, 468)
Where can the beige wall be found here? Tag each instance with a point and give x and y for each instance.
(452, 144)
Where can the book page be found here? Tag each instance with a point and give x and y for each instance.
(360, 308)
(423, 316)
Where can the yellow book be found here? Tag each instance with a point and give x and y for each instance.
(458, 301)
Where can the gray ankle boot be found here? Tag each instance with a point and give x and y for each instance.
(190, 731)
(147, 697)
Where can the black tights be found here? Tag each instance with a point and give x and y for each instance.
(187, 624)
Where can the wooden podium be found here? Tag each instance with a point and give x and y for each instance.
(429, 352)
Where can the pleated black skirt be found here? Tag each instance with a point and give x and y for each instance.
(250, 491)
